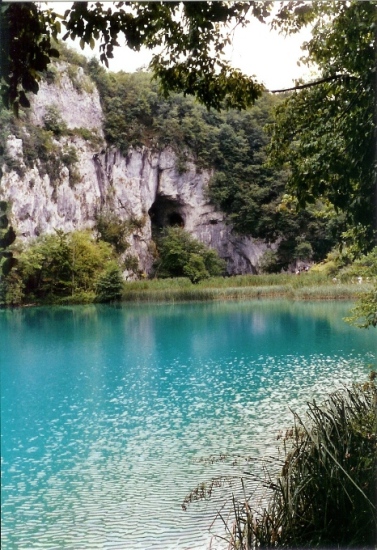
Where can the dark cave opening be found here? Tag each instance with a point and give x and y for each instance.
(175, 219)
(165, 212)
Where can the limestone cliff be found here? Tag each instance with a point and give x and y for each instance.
(145, 185)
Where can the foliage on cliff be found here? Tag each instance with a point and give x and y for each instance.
(233, 145)
(7, 238)
(364, 313)
(49, 148)
(325, 131)
(326, 155)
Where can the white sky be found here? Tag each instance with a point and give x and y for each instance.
(256, 50)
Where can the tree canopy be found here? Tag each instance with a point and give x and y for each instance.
(190, 38)
(325, 133)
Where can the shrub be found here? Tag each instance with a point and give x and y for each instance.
(364, 314)
(80, 297)
(53, 121)
(89, 258)
(110, 284)
(40, 147)
(71, 56)
(181, 255)
(269, 262)
(14, 164)
(69, 156)
(70, 159)
(131, 263)
(80, 81)
(64, 266)
(11, 289)
(8, 292)
(303, 251)
(51, 74)
(195, 268)
(91, 136)
(113, 230)
(365, 266)
(328, 268)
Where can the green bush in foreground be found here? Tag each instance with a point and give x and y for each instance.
(325, 494)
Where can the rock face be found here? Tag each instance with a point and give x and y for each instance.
(74, 94)
(143, 186)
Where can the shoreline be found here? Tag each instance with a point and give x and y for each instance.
(340, 292)
(305, 293)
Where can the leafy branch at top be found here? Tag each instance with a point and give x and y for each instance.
(190, 36)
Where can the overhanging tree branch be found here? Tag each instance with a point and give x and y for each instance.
(315, 83)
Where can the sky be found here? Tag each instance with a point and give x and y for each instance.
(256, 50)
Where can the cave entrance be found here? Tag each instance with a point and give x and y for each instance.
(165, 212)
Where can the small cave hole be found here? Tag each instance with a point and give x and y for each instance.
(165, 212)
(175, 219)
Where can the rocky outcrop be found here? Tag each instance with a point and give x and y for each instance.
(73, 93)
(145, 186)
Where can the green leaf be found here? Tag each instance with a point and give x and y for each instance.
(29, 84)
(24, 102)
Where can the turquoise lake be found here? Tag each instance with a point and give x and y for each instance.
(108, 414)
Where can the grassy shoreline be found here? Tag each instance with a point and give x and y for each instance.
(305, 287)
(243, 287)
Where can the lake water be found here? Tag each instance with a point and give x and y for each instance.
(108, 413)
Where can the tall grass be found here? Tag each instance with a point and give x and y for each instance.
(204, 294)
(331, 292)
(308, 286)
(296, 281)
(325, 495)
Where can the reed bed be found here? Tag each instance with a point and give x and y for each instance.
(325, 495)
(277, 279)
(331, 292)
(205, 294)
(304, 287)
